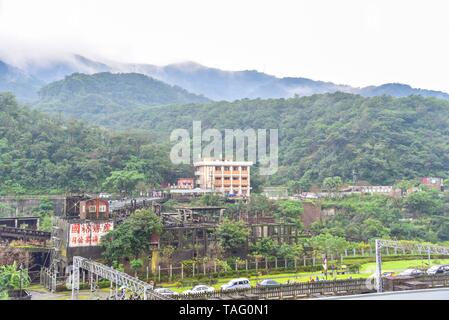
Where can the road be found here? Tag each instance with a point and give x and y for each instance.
(425, 294)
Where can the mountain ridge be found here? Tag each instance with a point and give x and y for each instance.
(213, 83)
(90, 96)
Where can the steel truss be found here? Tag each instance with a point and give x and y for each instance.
(122, 279)
(419, 247)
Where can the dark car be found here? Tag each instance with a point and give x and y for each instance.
(441, 269)
(268, 283)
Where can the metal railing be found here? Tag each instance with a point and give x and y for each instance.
(122, 279)
(296, 290)
(419, 247)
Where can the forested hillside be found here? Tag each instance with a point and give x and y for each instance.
(96, 97)
(41, 154)
(383, 138)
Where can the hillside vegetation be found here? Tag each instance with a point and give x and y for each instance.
(96, 97)
(44, 155)
(383, 138)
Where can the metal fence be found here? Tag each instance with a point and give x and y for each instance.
(321, 288)
(288, 291)
(48, 279)
(216, 267)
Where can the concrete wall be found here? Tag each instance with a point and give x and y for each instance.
(24, 205)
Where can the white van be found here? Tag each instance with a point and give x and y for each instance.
(241, 283)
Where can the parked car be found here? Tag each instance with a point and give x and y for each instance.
(411, 272)
(268, 283)
(438, 269)
(165, 292)
(241, 283)
(201, 288)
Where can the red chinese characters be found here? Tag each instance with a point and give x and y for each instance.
(88, 234)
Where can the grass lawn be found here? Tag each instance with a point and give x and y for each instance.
(400, 265)
(281, 278)
(365, 271)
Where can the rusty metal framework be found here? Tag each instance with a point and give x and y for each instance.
(135, 285)
(419, 247)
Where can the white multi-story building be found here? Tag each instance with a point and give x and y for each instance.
(224, 176)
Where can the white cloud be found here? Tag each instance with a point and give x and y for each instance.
(348, 41)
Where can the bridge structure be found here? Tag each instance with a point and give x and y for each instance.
(11, 233)
(136, 286)
(421, 248)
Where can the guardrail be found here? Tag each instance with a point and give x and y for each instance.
(287, 291)
(416, 282)
(321, 288)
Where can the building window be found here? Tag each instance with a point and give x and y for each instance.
(102, 208)
(244, 169)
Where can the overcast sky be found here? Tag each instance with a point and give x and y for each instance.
(346, 41)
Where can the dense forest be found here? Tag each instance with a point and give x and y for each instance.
(382, 138)
(42, 154)
(420, 215)
(95, 97)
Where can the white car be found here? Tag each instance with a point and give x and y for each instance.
(241, 283)
(165, 292)
(411, 272)
(201, 288)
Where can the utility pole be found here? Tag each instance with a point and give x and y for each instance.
(354, 178)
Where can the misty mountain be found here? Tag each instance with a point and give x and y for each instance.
(213, 83)
(102, 94)
(57, 69)
(20, 83)
(400, 90)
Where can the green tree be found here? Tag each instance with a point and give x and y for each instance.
(290, 251)
(133, 237)
(373, 228)
(290, 211)
(326, 243)
(425, 202)
(136, 264)
(123, 181)
(332, 184)
(265, 247)
(232, 235)
(212, 200)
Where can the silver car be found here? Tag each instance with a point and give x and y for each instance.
(411, 272)
(165, 292)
